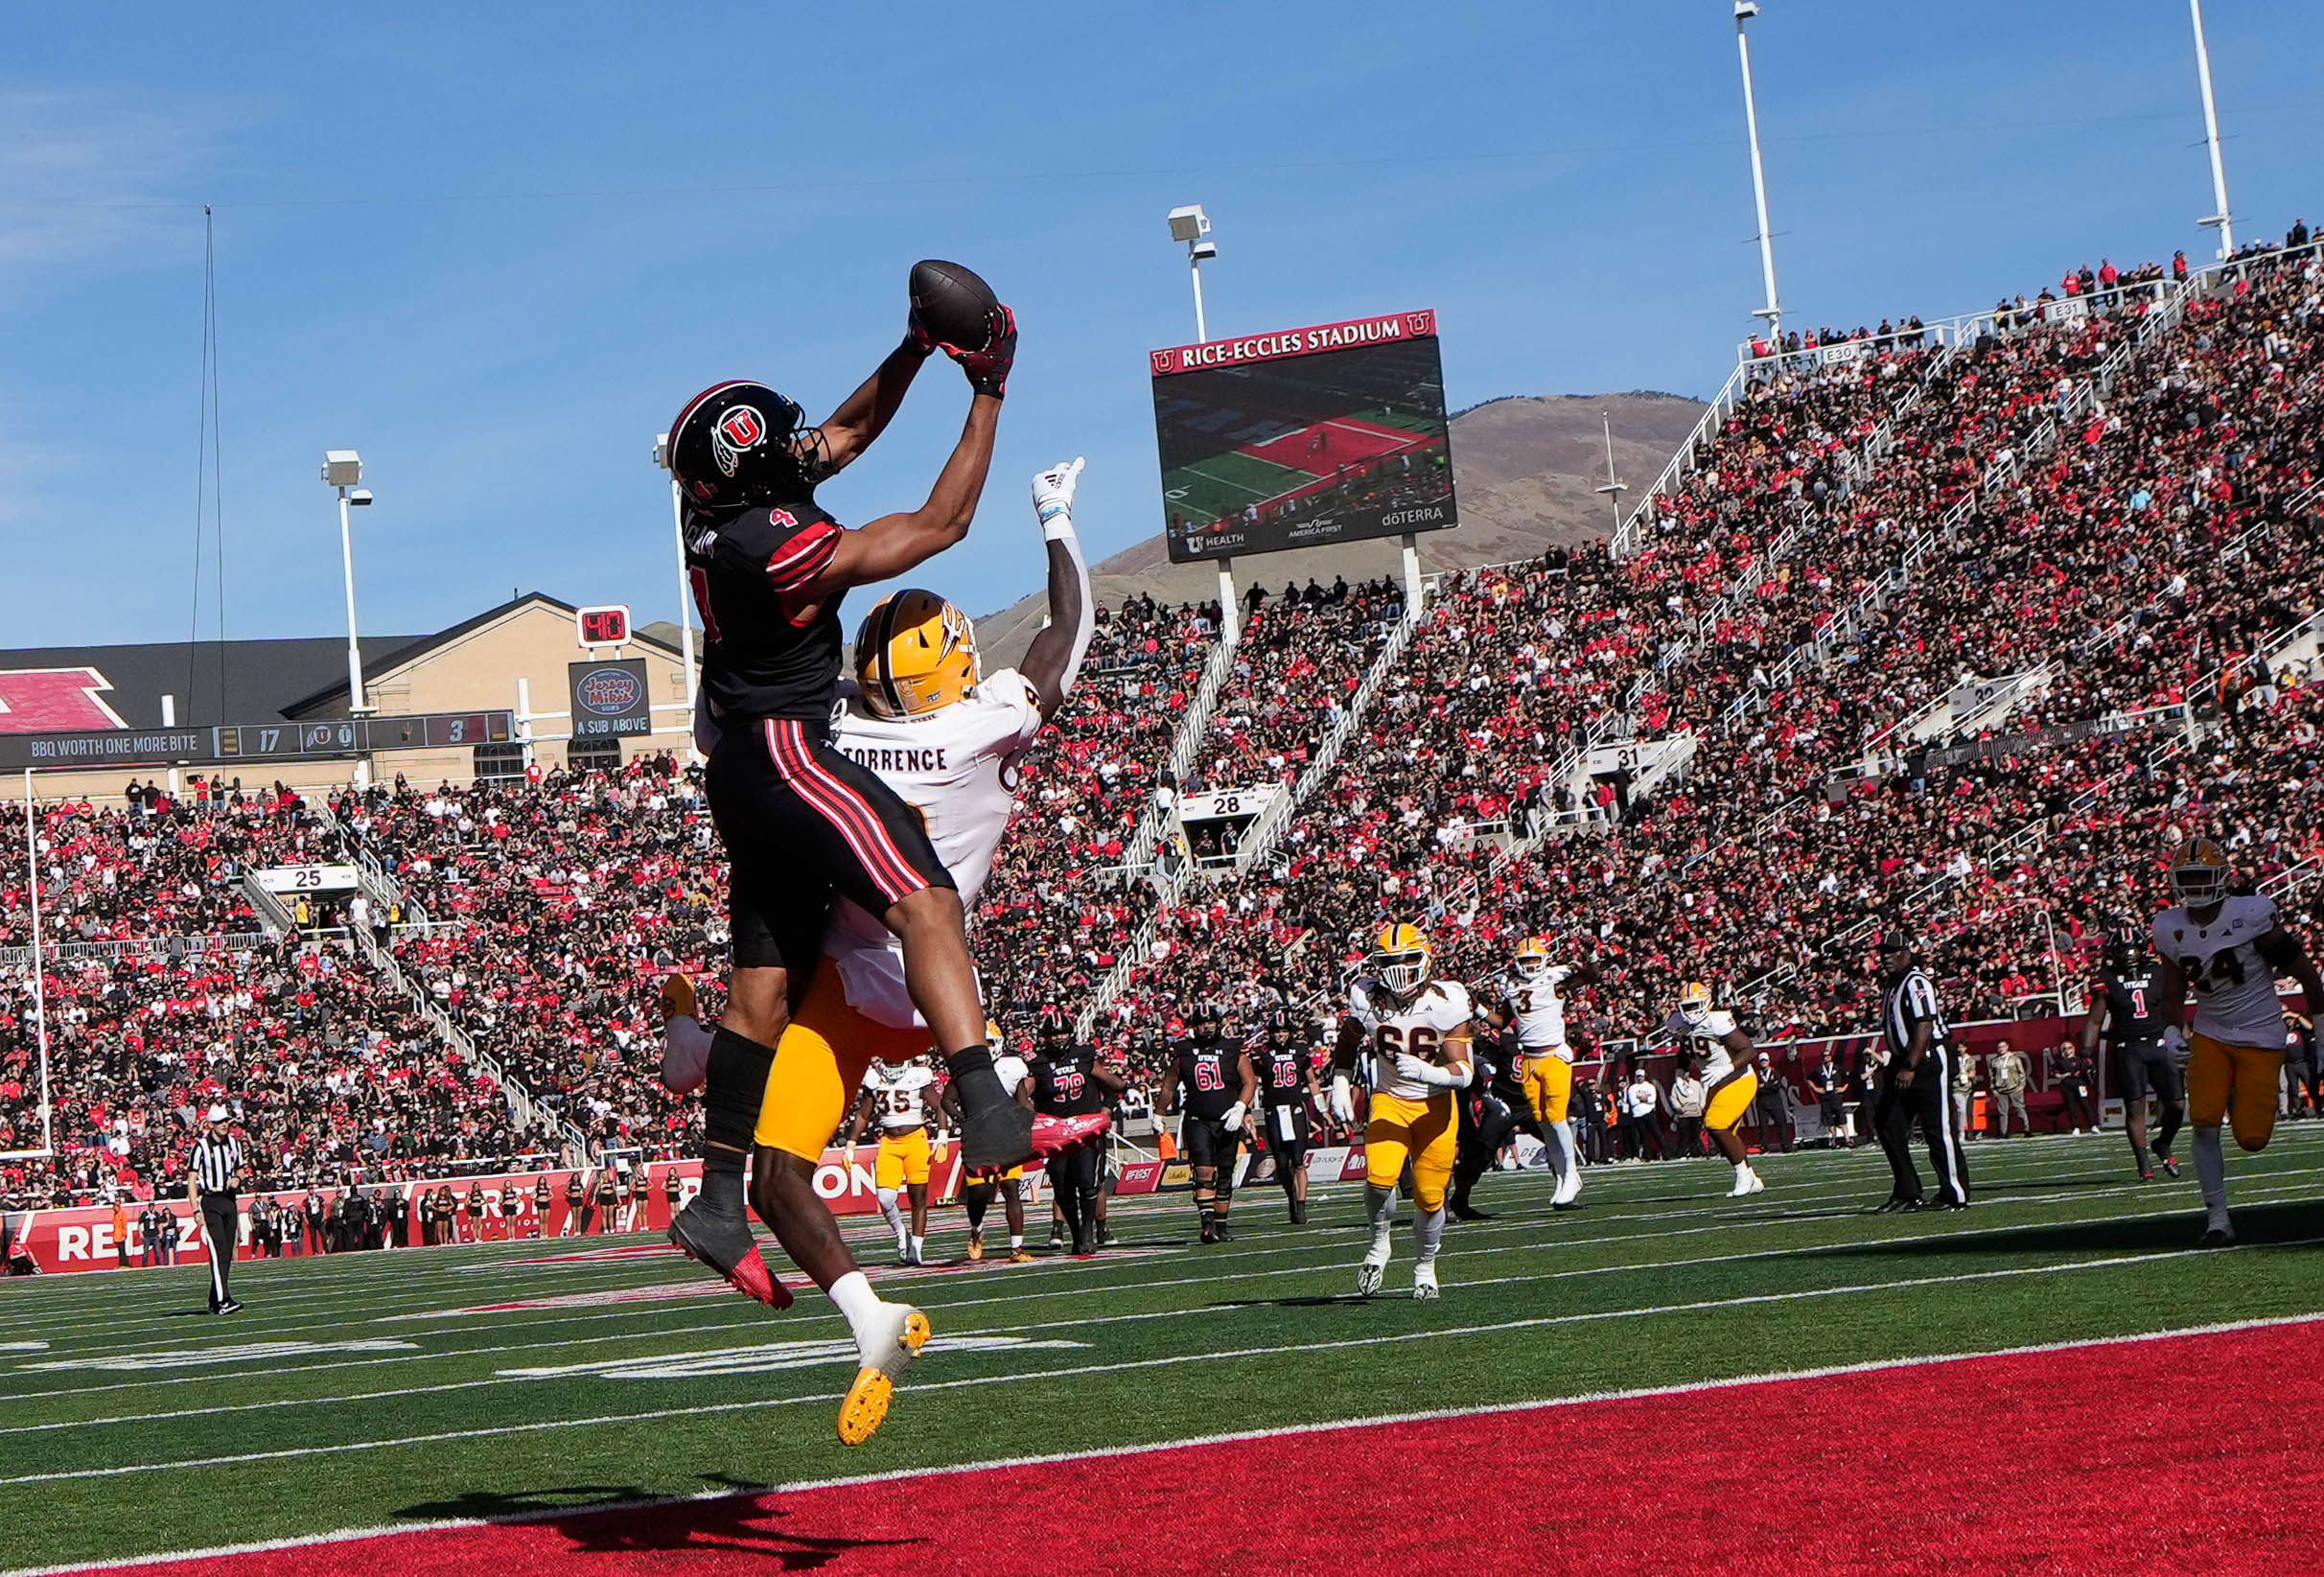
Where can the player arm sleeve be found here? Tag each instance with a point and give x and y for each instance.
(1053, 661)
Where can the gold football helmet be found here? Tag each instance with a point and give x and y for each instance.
(1695, 1003)
(1400, 957)
(2199, 872)
(915, 654)
(1532, 960)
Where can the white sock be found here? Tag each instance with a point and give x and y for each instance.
(1016, 1239)
(862, 1306)
(1568, 1170)
(895, 1217)
(1429, 1234)
(2211, 1169)
(1380, 1207)
(919, 1246)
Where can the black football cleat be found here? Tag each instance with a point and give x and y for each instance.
(1220, 1233)
(1298, 1213)
(2216, 1236)
(1466, 1213)
(1083, 1246)
(232, 1306)
(1107, 1237)
(1210, 1231)
(724, 1244)
(2170, 1163)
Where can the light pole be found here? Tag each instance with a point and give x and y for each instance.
(1190, 224)
(1612, 489)
(343, 471)
(1773, 312)
(2219, 219)
(686, 584)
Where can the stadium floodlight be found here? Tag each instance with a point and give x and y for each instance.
(1190, 224)
(343, 470)
(1773, 312)
(686, 584)
(2221, 217)
(1613, 490)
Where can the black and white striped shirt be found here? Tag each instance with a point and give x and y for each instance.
(1909, 1002)
(216, 1158)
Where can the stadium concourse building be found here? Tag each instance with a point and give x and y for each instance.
(497, 693)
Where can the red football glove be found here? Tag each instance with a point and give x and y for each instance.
(987, 369)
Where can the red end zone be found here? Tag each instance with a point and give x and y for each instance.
(2192, 1453)
(1346, 440)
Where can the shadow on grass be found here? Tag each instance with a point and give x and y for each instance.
(2256, 1226)
(733, 1517)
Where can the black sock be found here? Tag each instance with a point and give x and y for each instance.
(977, 1199)
(971, 1073)
(733, 1090)
(1089, 1212)
(2173, 1117)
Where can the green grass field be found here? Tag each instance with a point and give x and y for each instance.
(129, 1418)
(1223, 484)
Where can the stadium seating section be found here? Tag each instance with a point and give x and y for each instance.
(2120, 499)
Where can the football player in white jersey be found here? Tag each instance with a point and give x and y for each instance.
(1729, 1083)
(2227, 950)
(977, 1189)
(948, 738)
(898, 1099)
(1538, 1013)
(1412, 1034)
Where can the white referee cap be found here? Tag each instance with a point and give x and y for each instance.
(218, 1114)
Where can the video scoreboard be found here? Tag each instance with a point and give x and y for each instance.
(322, 740)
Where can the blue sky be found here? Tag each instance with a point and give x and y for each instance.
(493, 248)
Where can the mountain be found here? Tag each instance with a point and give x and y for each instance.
(1523, 470)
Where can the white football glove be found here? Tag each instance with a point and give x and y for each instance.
(1344, 1098)
(1412, 1068)
(1053, 495)
(1235, 1116)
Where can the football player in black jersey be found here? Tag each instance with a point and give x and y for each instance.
(1069, 1082)
(2126, 1007)
(801, 822)
(1286, 1065)
(1210, 1084)
(1488, 1107)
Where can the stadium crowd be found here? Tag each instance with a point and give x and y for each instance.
(2118, 497)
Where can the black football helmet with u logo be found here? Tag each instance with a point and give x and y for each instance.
(739, 444)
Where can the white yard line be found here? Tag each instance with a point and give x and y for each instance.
(943, 1335)
(1462, 1249)
(1151, 1448)
(1164, 1361)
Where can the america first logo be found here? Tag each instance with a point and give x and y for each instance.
(610, 692)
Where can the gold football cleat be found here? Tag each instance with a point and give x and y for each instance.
(976, 1245)
(866, 1408)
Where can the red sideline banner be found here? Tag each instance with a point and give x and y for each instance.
(489, 1208)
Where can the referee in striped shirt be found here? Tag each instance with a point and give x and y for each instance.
(1916, 1083)
(218, 1165)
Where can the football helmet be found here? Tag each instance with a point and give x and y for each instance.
(994, 1041)
(1695, 1003)
(2199, 873)
(1282, 1027)
(915, 654)
(1400, 958)
(739, 443)
(1532, 960)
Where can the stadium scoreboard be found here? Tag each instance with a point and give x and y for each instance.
(1303, 437)
(322, 740)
